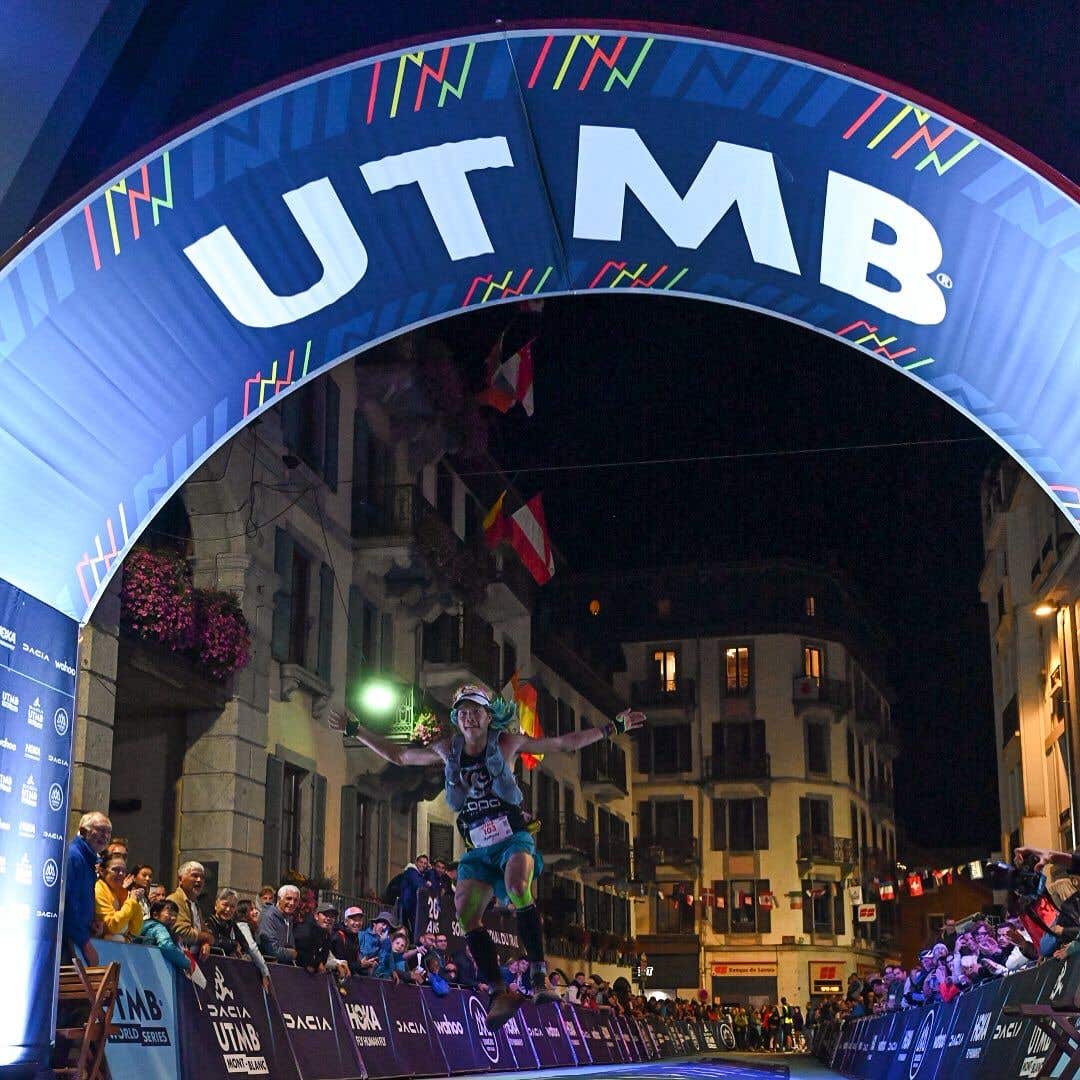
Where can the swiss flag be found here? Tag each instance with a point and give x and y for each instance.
(529, 538)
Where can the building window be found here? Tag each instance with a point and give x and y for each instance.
(815, 819)
(310, 422)
(817, 746)
(665, 749)
(811, 606)
(737, 672)
(862, 766)
(740, 824)
(813, 662)
(851, 755)
(291, 788)
(667, 823)
(440, 841)
(673, 914)
(664, 661)
(818, 907)
(565, 717)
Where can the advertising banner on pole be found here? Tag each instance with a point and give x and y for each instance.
(232, 1027)
(435, 915)
(145, 1013)
(319, 1031)
(37, 707)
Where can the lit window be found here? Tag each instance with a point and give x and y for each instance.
(665, 669)
(813, 662)
(737, 669)
(811, 607)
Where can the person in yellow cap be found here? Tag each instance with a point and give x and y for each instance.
(478, 763)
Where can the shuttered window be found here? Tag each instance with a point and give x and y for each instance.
(326, 622)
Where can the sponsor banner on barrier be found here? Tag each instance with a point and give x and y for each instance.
(630, 1040)
(707, 1037)
(145, 1014)
(648, 1039)
(370, 1027)
(490, 1046)
(665, 1045)
(318, 1026)
(597, 1034)
(232, 1027)
(549, 1037)
(568, 1020)
(451, 1026)
(418, 1051)
(517, 1038)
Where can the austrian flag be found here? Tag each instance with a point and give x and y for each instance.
(529, 538)
(511, 383)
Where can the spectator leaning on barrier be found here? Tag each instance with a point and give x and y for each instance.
(116, 901)
(95, 829)
(391, 964)
(276, 937)
(189, 921)
(222, 925)
(313, 940)
(345, 941)
(157, 931)
(375, 942)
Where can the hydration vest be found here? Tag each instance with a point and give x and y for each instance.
(503, 782)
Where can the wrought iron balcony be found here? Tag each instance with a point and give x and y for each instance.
(727, 767)
(820, 848)
(603, 771)
(612, 858)
(808, 690)
(650, 694)
(567, 839)
(390, 511)
(667, 851)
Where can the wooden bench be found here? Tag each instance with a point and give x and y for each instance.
(96, 987)
(1057, 1020)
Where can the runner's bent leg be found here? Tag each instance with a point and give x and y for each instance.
(518, 878)
(471, 899)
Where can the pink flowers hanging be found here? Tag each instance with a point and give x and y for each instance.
(158, 602)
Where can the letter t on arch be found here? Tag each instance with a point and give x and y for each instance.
(227, 269)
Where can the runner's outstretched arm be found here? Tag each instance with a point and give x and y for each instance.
(627, 720)
(386, 748)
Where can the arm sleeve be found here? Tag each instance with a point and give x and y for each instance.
(252, 949)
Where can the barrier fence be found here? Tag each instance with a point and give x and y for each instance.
(976, 1034)
(303, 1027)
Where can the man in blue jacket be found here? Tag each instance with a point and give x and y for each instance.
(95, 832)
(415, 877)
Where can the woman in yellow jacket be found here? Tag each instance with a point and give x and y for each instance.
(116, 902)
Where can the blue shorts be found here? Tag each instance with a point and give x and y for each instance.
(488, 864)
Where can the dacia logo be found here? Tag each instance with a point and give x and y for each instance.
(221, 991)
(40, 654)
(306, 1023)
(410, 1027)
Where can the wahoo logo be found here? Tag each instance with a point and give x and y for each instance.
(446, 1026)
(922, 1044)
(611, 161)
(65, 667)
(8, 639)
(306, 1023)
(7, 744)
(363, 1017)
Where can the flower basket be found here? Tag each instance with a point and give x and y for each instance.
(159, 603)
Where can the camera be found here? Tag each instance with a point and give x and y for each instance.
(1023, 881)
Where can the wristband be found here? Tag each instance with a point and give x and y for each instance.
(609, 729)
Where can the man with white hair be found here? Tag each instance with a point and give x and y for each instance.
(95, 831)
(276, 936)
(189, 927)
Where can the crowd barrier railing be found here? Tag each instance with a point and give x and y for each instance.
(303, 1026)
(980, 1033)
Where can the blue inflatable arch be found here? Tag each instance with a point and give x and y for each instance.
(152, 319)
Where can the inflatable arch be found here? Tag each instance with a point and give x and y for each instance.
(151, 320)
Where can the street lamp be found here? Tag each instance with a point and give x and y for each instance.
(379, 698)
(1045, 609)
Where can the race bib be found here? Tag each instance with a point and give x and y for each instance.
(491, 831)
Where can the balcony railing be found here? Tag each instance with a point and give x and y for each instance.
(880, 796)
(651, 695)
(755, 767)
(826, 849)
(809, 690)
(567, 833)
(667, 850)
(604, 764)
(613, 854)
(393, 510)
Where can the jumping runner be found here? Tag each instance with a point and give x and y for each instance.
(478, 762)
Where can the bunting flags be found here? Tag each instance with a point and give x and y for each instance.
(529, 538)
(511, 382)
(887, 891)
(914, 884)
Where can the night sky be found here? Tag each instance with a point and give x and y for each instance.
(696, 379)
